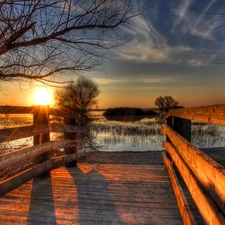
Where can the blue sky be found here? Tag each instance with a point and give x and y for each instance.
(174, 50)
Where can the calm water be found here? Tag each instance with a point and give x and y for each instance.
(112, 135)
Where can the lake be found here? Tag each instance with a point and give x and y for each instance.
(143, 134)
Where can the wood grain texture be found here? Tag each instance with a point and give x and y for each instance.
(22, 177)
(16, 110)
(11, 134)
(95, 194)
(184, 208)
(207, 207)
(31, 110)
(210, 173)
(11, 158)
(210, 114)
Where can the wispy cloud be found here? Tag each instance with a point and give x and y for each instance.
(181, 11)
(192, 22)
(151, 44)
(148, 45)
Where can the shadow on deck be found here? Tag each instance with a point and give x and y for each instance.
(94, 194)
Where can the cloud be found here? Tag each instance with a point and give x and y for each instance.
(189, 21)
(152, 44)
(196, 63)
(181, 11)
(148, 45)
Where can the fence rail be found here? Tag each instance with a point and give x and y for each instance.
(204, 177)
(42, 146)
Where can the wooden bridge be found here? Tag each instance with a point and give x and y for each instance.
(53, 190)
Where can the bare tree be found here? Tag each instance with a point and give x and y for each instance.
(159, 102)
(40, 38)
(165, 103)
(78, 97)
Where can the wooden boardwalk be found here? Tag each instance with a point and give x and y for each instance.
(94, 194)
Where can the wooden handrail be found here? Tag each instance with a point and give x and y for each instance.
(24, 176)
(31, 110)
(40, 151)
(11, 158)
(12, 134)
(203, 176)
(210, 173)
(16, 109)
(214, 114)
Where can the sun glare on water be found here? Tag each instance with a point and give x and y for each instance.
(42, 97)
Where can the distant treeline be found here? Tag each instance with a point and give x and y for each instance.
(129, 112)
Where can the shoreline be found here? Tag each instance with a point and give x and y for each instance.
(123, 157)
(145, 157)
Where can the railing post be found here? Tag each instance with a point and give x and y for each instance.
(181, 126)
(70, 148)
(41, 116)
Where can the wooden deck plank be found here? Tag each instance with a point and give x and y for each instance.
(94, 194)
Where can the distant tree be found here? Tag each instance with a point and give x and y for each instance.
(160, 103)
(40, 38)
(166, 103)
(78, 97)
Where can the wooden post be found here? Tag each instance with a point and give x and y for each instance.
(181, 126)
(41, 116)
(70, 148)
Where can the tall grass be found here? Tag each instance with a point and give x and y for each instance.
(9, 121)
(117, 135)
(206, 135)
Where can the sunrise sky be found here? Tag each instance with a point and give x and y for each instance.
(175, 50)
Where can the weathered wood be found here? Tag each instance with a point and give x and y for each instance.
(208, 209)
(184, 208)
(70, 148)
(16, 110)
(42, 146)
(209, 114)
(210, 173)
(24, 176)
(31, 110)
(181, 126)
(94, 194)
(21, 178)
(8, 159)
(12, 134)
(41, 116)
(15, 181)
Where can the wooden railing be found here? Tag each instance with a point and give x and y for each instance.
(42, 146)
(204, 177)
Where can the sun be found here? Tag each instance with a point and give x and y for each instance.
(42, 96)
